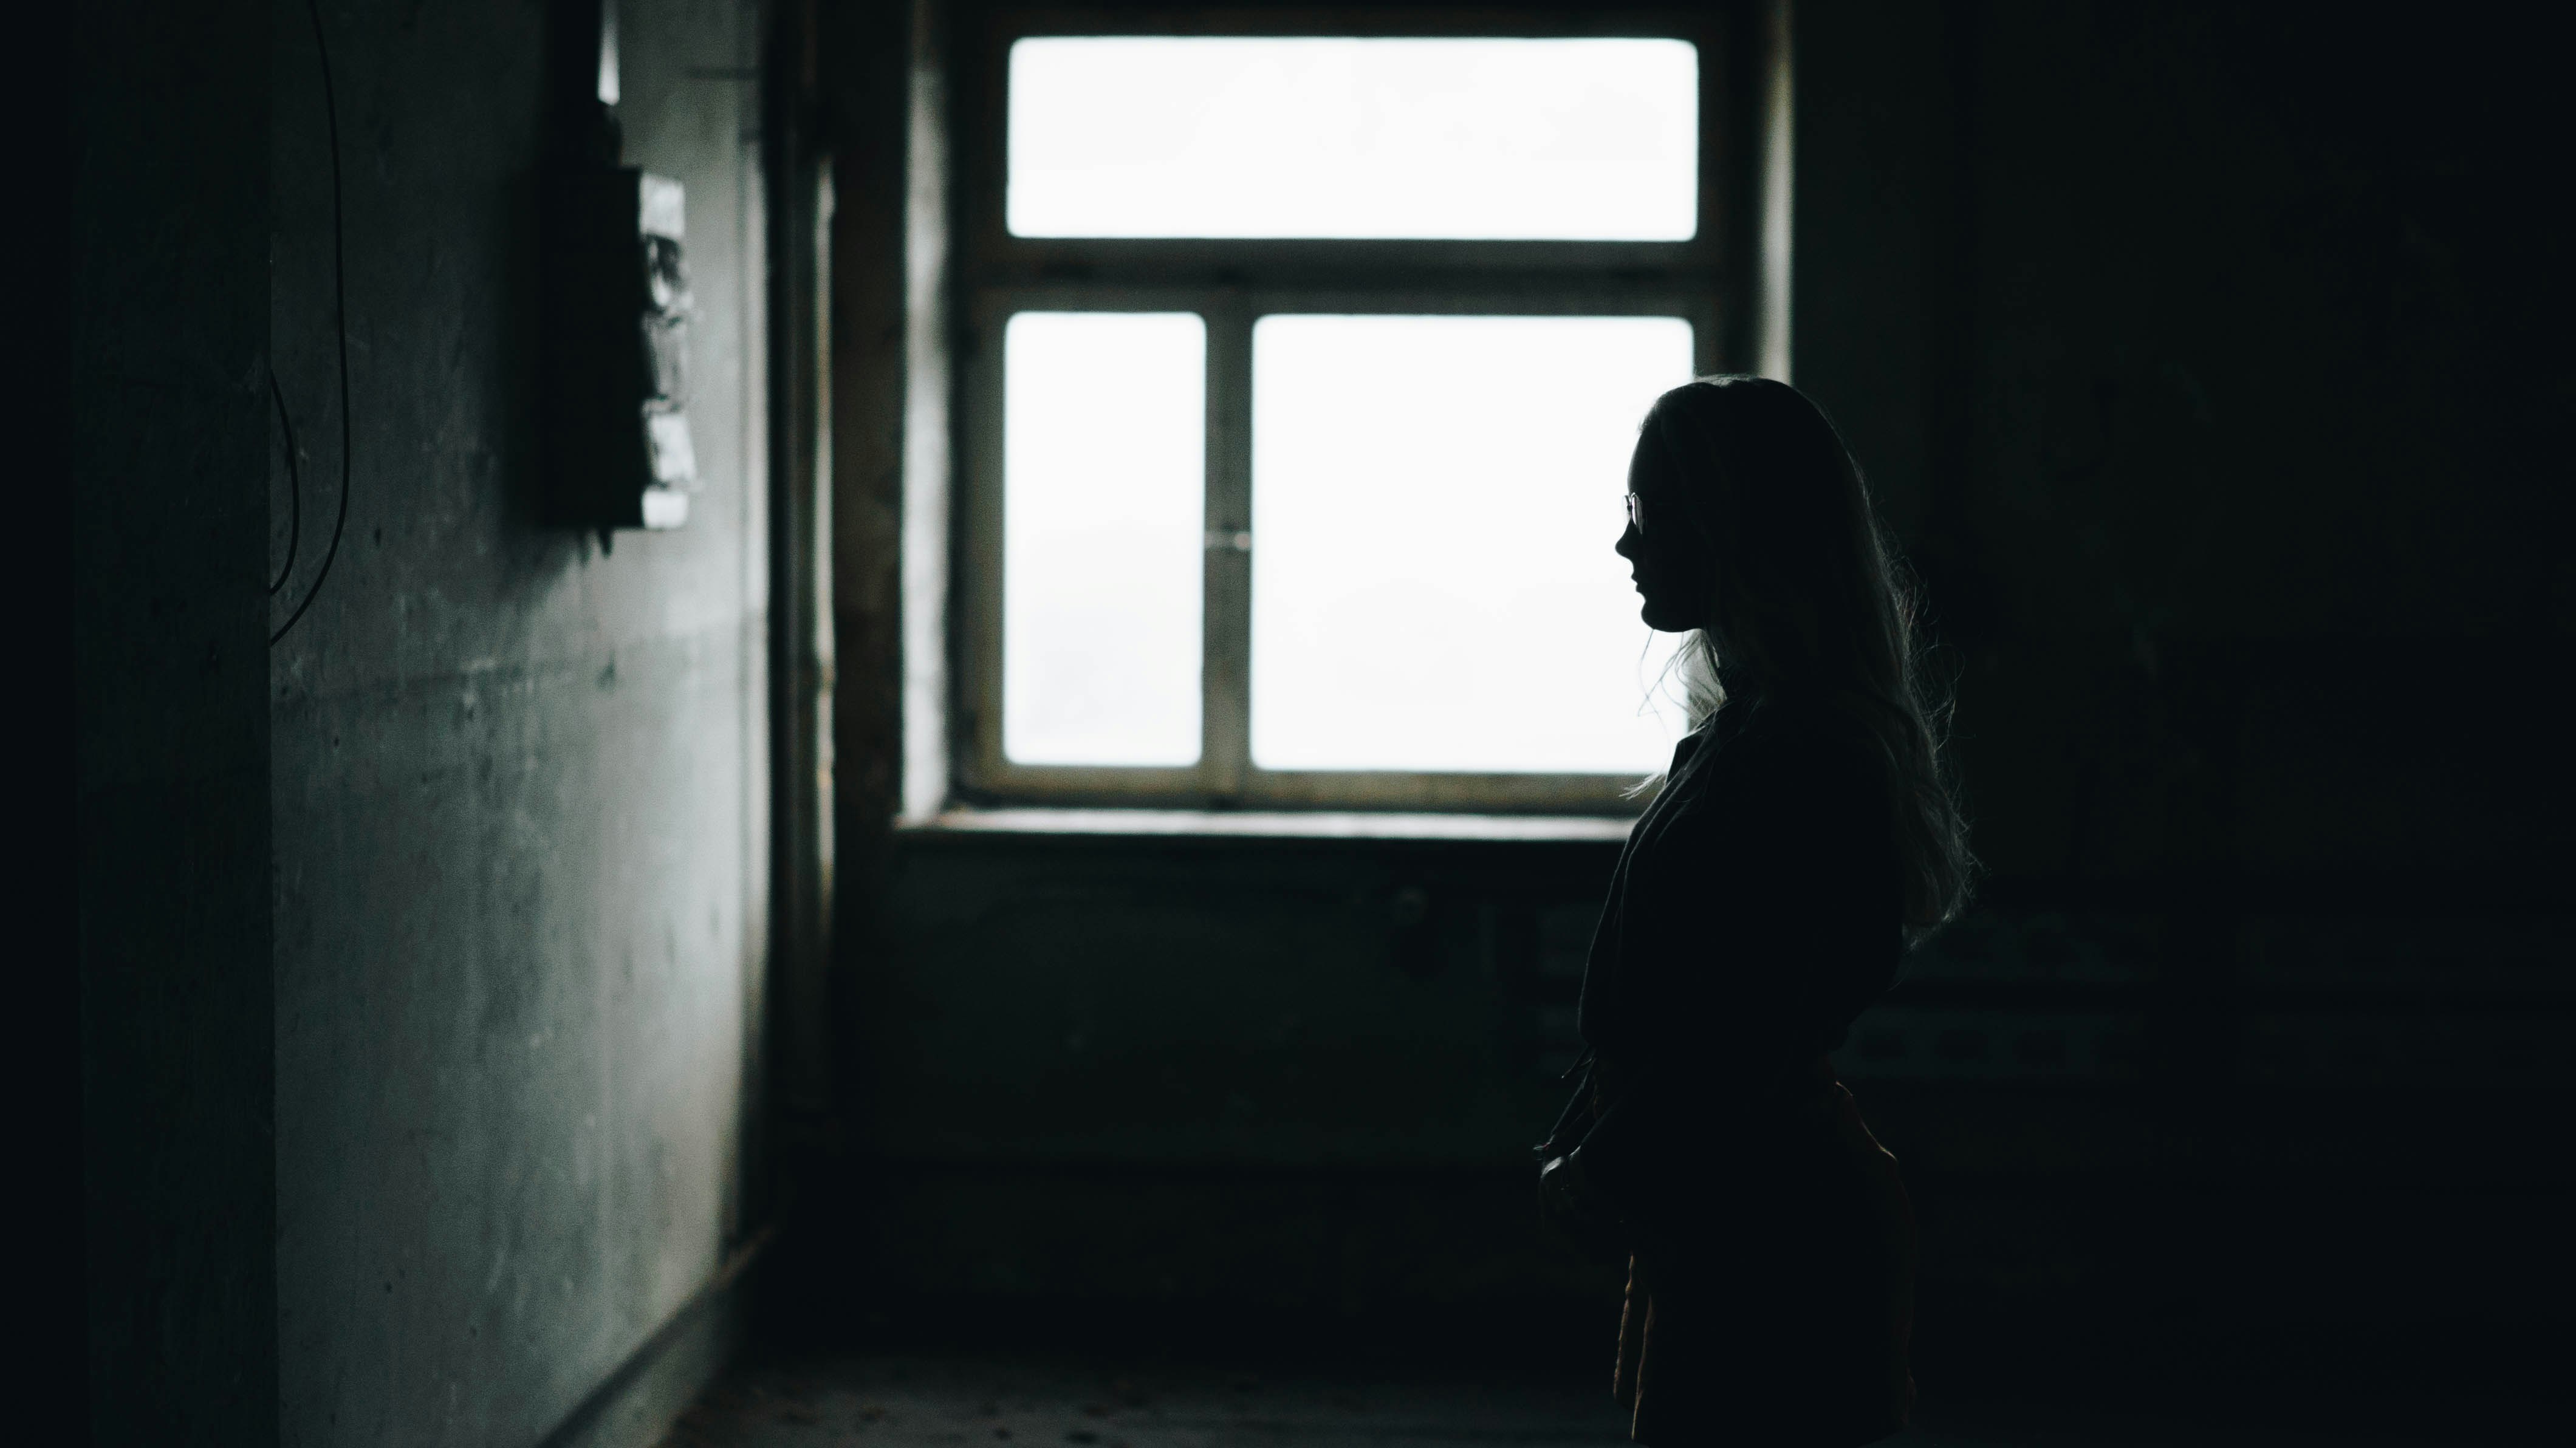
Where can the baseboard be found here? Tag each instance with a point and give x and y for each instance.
(635, 1405)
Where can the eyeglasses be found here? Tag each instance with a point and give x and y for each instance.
(1636, 512)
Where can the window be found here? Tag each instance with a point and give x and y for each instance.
(1301, 375)
(1340, 138)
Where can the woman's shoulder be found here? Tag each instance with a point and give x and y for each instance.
(1790, 790)
(1786, 768)
(1802, 741)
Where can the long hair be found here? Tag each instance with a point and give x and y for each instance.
(1811, 600)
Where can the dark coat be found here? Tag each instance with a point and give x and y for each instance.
(1756, 910)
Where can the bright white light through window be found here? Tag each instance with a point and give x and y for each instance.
(1475, 139)
(1434, 501)
(1104, 464)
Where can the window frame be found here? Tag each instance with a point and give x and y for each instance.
(1230, 284)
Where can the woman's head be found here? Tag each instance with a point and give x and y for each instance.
(1750, 527)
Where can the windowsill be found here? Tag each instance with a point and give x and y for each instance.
(1271, 824)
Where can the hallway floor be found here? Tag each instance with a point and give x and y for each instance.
(1004, 1402)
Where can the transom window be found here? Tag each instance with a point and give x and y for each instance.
(1331, 137)
(1303, 372)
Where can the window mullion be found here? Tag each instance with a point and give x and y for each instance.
(1226, 673)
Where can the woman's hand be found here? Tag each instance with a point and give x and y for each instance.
(1571, 1203)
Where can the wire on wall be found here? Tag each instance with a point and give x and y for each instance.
(340, 316)
(294, 490)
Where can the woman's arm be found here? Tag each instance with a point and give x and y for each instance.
(1772, 917)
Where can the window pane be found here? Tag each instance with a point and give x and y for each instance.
(1552, 140)
(1103, 515)
(1434, 504)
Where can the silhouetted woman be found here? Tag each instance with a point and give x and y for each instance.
(1802, 836)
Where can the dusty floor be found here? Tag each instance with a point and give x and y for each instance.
(995, 1402)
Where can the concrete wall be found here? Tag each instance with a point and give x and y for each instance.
(519, 782)
(2206, 388)
(1204, 1087)
(2234, 495)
